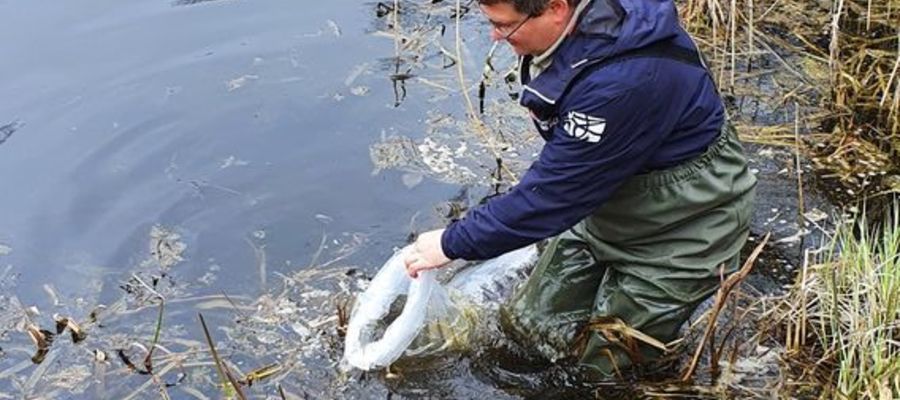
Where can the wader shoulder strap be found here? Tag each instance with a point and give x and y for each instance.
(657, 50)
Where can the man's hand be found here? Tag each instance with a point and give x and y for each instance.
(426, 253)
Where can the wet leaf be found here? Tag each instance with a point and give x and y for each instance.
(61, 323)
(127, 361)
(42, 340)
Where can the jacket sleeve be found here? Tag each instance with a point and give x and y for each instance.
(604, 136)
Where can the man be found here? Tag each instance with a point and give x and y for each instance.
(641, 183)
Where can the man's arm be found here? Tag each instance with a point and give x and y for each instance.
(600, 141)
(606, 134)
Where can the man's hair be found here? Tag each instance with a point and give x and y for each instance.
(527, 7)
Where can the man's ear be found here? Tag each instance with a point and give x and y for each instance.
(560, 10)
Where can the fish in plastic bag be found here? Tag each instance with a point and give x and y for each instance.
(435, 318)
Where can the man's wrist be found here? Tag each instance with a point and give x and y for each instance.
(446, 245)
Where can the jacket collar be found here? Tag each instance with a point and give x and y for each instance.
(604, 29)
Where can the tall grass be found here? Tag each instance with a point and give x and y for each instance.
(838, 61)
(850, 302)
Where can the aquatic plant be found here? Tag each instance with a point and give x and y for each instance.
(830, 70)
(843, 313)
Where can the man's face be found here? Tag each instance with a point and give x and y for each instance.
(527, 35)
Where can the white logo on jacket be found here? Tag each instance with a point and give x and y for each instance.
(584, 127)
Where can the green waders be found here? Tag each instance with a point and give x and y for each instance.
(648, 257)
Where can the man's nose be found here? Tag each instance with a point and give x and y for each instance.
(496, 36)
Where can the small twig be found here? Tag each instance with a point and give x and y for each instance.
(140, 389)
(801, 209)
(260, 374)
(721, 298)
(459, 65)
(315, 258)
(733, 42)
(433, 84)
(234, 306)
(221, 368)
(887, 87)
(785, 64)
(163, 392)
(260, 253)
(148, 287)
(343, 317)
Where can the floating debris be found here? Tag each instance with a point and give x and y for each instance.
(396, 152)
(5, 250)
(359, 90)
(100, 356)
(78, 335)
(260, 374)
(440, 159)
(301, 330)
(355, 73)
(51, 292)
(237, 83)
(233, 161)
(335, 29)
(411, 179)
(7, 130)
(189, 2)
(42, 340)
(815, 215)
(128, 363)
(165, 247)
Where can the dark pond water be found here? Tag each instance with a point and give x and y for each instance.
(215, 118)
(243, 127)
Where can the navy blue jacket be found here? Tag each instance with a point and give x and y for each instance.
(602, 123)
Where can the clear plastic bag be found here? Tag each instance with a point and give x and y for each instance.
(435, 318)
(361, 349)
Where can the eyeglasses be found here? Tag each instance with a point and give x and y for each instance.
(506, 31)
